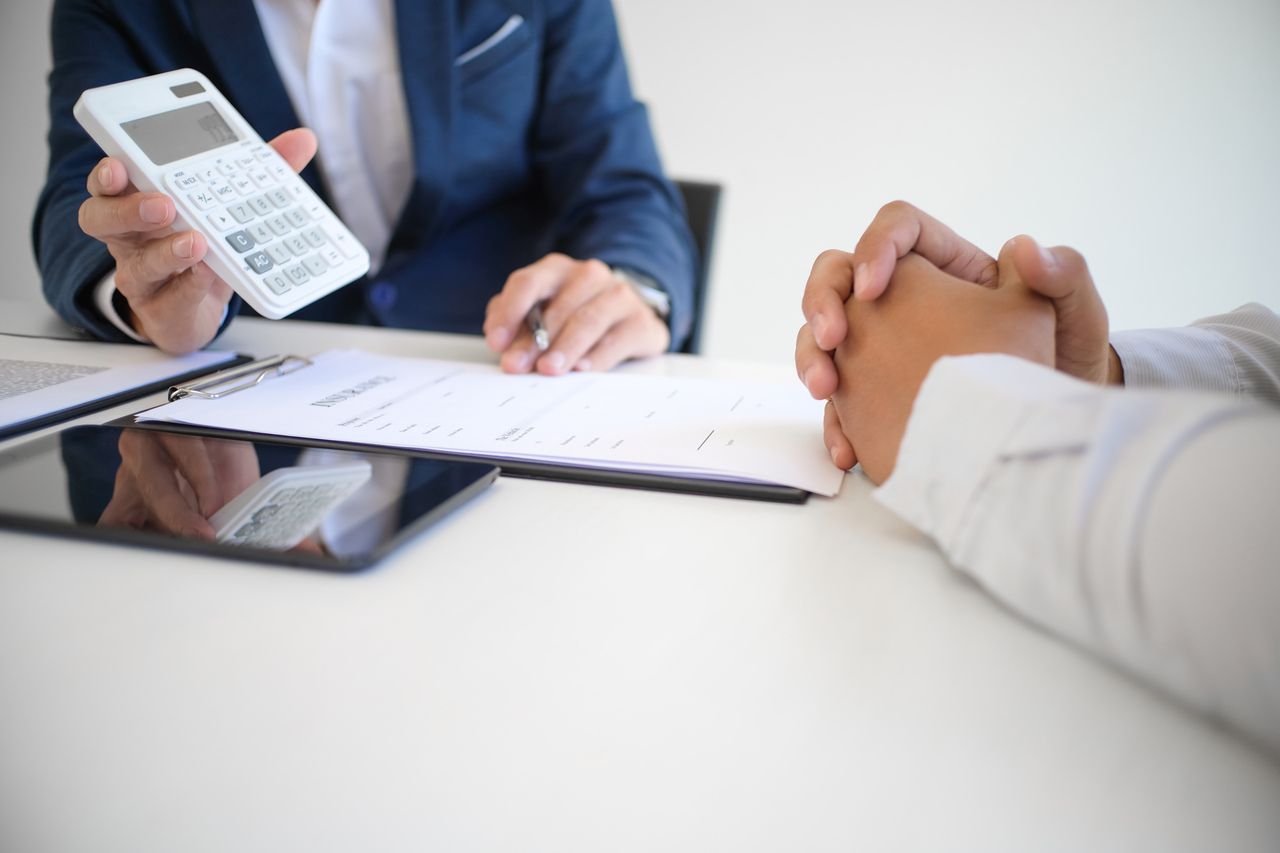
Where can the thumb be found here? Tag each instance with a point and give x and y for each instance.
(1059, 273)
(296, 146)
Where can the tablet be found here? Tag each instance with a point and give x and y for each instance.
(305, 506)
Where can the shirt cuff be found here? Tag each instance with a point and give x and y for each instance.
(104, 299)
(967, 415)
(1190, 359)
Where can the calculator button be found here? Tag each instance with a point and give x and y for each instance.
(332, 255)
(241, 241)
(280, 197)
(207, 175)
(261, 177)
(241, 211)
(342, 240)
(262, 153)
(223, 191)
(296, 217)
(185, 180)
(246, 162)
(226, 167)
(277, 282)
(259, 262)
(297, 245)
(221, 220)
(260, 233)
(243, 185)
(203, 199)
(281, 171)
(297, 274)
(261, 206)
(315, 237)
(279, 252)
(315, 264)
(279, 225)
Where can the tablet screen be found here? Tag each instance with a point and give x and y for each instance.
(307, 506)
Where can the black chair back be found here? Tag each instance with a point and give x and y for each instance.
(702, 205)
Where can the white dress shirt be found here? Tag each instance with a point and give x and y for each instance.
(1140, 523)
(340, 64)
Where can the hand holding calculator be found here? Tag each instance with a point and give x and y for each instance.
(269, 236)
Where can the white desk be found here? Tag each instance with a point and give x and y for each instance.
(570, 668)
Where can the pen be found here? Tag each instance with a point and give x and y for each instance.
(541, 339)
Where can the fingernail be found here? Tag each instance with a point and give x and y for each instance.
(184, 246)
(819, 329)
(861, 274)
(805, 379)
(522, 361)
(499, 338)
(583, 365)
(554, 361)
(104, 176)
(1048, 258)
(834, 460)
(153, 210)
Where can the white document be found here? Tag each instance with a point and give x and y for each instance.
(41, 376)
(727, 430)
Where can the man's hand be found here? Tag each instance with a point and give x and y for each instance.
(595, 320)
(175, 483)
(174, 299)
(1058, 273)
(924, 314)
(898, 229)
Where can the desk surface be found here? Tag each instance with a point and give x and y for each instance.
(666, 672)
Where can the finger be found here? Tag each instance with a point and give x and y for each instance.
(838, 444)
(1058, 273)
(150, 265)
(183, 314)
(635, 337)
(589, 324)
(108, 178)
(156, 477)
(583, 283)
(137, 213)
(814, 366)
(194, 464)
(900, 228)
(296, 146)
(520, 356)
(828, 288)
(125, 508)
(523, 288)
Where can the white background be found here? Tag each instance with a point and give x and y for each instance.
(1144, 133)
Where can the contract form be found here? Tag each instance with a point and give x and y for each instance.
(733, 430)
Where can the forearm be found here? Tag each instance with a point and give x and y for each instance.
(599, 166)
(1237, 352)
(1087, 511)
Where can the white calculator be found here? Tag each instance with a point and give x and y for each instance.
(287, 505)
(270, 237)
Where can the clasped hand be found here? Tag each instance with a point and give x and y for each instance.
(913, 291)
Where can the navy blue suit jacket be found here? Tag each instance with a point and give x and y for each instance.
(537, 145)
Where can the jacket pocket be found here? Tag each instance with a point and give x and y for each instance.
(505, 42)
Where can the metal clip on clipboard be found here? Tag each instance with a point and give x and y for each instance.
(246, 376)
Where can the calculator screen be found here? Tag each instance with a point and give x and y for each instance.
(173, 135)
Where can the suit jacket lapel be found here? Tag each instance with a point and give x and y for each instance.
(244, 70)
(424, 34)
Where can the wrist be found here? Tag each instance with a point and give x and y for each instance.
(1115, 367)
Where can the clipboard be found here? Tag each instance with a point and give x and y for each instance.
(230, 381)
(97, 404)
